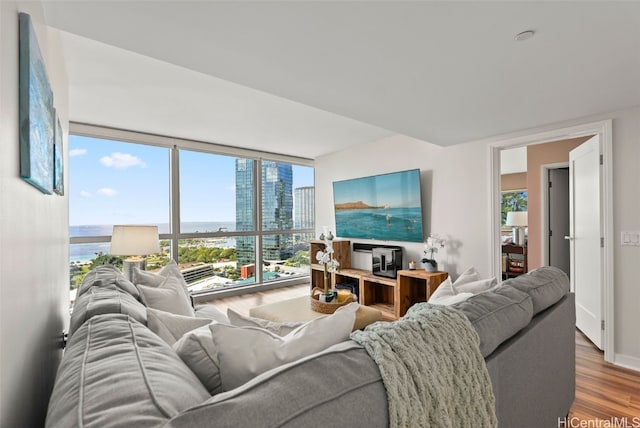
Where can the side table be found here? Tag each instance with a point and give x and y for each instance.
(415, 286)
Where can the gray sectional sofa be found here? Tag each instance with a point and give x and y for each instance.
(117, 373)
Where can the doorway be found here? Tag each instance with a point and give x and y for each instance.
(603, 131)
(555, 226)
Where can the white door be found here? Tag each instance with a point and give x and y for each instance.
(585, 237)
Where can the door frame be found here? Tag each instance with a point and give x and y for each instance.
(604, 130)
(544, 177)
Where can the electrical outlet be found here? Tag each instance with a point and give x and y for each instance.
(630, 238)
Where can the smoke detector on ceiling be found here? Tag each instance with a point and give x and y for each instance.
(525, 35)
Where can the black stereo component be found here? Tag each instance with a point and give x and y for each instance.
(386, 261)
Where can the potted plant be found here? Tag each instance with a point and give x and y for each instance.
(330, 264)
(431, 246)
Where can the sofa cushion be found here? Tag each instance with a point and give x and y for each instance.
(171, 327)
(116, 372)
(106, 275)
(226, 356)
(340, 386)
(103, 297)
(546, 285)
(497, 315)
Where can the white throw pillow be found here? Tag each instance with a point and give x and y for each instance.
(279, 328)
(155, 279)
(171, 327)
(476, 287)
(445, 289)
(200, 354)
(450, 300)
(168, 296)
(238, 354)
(468, 275)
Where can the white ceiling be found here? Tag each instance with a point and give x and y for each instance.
(329, 74)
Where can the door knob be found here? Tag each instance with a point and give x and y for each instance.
(569, 238)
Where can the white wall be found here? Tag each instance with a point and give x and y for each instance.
(34, 289)
(626, 217)
(513, 160)
(456, 204)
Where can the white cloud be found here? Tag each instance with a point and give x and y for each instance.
(121, 161)
(105, 191)
(85, 194)
(77, 152)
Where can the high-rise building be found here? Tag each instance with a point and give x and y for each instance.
(277, 210)
(245, 246)
(304, 208)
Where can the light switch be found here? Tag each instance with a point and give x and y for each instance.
(630, 238)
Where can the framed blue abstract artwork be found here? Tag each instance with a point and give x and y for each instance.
(36, 112)
(58, 159)
(386, 207)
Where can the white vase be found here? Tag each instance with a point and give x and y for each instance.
(430, 268)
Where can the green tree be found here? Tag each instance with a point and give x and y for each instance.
(300, 258)
(106, 259)
(513, 201)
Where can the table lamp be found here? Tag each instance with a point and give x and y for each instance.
(135, 241)
(517, 220)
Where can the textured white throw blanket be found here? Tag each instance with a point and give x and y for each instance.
(432, 369)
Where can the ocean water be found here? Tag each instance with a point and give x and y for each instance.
(85, 252)
(386, 224)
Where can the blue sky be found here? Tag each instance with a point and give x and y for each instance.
(121, 183)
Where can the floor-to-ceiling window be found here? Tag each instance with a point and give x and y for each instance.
(203, 199)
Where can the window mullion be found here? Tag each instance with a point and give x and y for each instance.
(174, 197)
(257, 218)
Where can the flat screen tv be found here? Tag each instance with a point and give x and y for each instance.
(385, 207)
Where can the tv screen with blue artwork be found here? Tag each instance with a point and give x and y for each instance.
(385, 207)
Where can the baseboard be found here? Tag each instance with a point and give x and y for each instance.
(628, 362)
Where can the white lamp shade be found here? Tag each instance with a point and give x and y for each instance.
(516, 218)
(134, 240)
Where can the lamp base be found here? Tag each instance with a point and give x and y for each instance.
(517, 236)
(129, 264)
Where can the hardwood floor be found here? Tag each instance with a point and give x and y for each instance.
(243, 303)
(604, 392)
